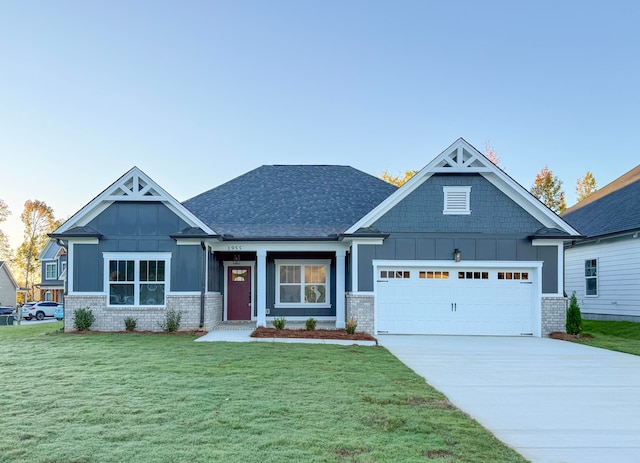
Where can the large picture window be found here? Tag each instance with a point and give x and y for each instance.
(591, 277)
(137, 280)
(302, 283)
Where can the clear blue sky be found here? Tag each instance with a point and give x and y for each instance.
(196, 93)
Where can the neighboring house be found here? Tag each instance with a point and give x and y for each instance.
(53, 261)
(604, 268)
(459, 249)
(8, 286)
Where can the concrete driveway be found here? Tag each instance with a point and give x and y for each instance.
(551, 401)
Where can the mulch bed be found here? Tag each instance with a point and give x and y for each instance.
(568, 337)
(262, 332)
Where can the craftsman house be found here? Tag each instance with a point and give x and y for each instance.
(459, 249)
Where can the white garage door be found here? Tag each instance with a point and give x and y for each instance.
(456, 300)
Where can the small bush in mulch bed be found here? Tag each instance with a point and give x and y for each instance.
(262, 332)
(568, 337)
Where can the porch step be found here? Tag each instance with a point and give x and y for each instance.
(235, 325)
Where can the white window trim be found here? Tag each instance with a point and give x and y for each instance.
(137, 257)
(48, 265)
(448, 191)
(302, 263)
(592, 278)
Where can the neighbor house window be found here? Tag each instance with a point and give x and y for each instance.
(457, 200)
(302, 283)
(591, 277)
(51, 270)
(137, 280)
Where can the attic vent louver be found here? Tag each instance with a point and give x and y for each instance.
(457, 200)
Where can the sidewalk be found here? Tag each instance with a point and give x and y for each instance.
(235, 335)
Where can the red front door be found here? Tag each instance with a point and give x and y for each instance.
(239, 293)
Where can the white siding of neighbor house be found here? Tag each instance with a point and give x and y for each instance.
(7, 290)
(618, 278)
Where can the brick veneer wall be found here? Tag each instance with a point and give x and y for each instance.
(148, 318)
(360, 307)
(554, 314)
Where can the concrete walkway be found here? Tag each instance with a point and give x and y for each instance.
(243, 335)
(552, 401)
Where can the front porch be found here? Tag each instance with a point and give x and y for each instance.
(260, 282)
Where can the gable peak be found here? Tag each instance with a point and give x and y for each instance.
(461, 157)
(135, 185)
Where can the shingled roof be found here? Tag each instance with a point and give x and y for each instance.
(290, 201)
(613, 209)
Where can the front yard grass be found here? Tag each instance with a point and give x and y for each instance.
(164, 398)
(613, 335)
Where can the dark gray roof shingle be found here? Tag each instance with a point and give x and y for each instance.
(612, 209)
(290, 201)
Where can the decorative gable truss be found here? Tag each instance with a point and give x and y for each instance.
(135, 188)
(135, 185)
(461, 158)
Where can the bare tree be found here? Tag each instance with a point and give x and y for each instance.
(5, 249)
(490, 153)
(548, 189)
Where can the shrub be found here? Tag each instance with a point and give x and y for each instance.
(310, 324)
(171, 322)
(83, 319)
(351, 325)
(130, 323)
(279, 323)
(574, 318)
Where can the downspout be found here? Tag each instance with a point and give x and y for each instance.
(204, 282)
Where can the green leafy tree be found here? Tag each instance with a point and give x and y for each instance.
(586, 186)
(548, 189)
(397, 180)
(574, 318)
(38, 220)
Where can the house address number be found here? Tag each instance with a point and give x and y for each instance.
(234, 247)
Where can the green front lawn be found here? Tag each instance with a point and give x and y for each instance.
(612, 335)
(164, 398)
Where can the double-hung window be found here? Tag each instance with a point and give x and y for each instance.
(137, 279)
(302, 283)
(51, 270)
(591, 277)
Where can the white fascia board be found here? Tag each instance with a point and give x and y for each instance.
(528, 202)
(354, 241)
(255, 246)
(45, 249)
(539, 242)
(108, 197)
(89, 240)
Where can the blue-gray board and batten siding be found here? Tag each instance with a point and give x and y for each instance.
(137, 227)
(496, 230)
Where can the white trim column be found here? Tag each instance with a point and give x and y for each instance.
(354, 267)
(261, 278)
(340, 288)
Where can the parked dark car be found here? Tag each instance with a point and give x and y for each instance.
(6, 310)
